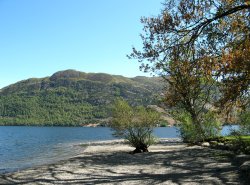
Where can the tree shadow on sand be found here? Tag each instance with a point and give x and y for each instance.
(183, 165)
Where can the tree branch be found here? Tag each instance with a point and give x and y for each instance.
(199, 28)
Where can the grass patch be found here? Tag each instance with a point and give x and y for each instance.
(237, 144)
(231, 138)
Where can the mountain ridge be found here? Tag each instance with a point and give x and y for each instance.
(72, 98)
(74, 74)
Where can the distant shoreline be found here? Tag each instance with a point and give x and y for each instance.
(123, 142)
(87, 126)
(90, 125)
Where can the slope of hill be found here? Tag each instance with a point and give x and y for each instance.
(71, 98)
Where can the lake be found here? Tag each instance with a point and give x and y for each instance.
(22, 147)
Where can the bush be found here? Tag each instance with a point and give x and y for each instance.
(211, 126)
(245, 123)
(189, 132)
(135, 124)
(241, 136)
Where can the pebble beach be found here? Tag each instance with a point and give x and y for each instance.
(167, 162)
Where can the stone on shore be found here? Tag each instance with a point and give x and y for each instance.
(205, 144)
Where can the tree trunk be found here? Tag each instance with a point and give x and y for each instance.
(140, 149)
(199, 127)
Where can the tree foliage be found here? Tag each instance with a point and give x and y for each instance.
(202, 49)
(135, 124)
(215, 33)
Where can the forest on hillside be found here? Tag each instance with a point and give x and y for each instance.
(72, 98)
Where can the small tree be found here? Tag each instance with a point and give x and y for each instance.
(135, 124)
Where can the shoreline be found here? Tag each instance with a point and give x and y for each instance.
(122, 141)
(107, 162)
(82, 146)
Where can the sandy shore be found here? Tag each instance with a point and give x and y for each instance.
(110, 163)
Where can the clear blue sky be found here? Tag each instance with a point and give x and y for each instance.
(40, 37)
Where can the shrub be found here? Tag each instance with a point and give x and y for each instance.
(135, 124)
(241, 136)
(189, 132)
(245, 123)
(211, 125)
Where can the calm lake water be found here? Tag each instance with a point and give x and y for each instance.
(22, 147)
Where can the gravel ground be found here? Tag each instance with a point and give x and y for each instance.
(168, 162)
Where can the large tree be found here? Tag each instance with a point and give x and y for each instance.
(215, 32)
(196, 45)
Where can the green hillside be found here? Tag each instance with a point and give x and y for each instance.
(72, 98)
